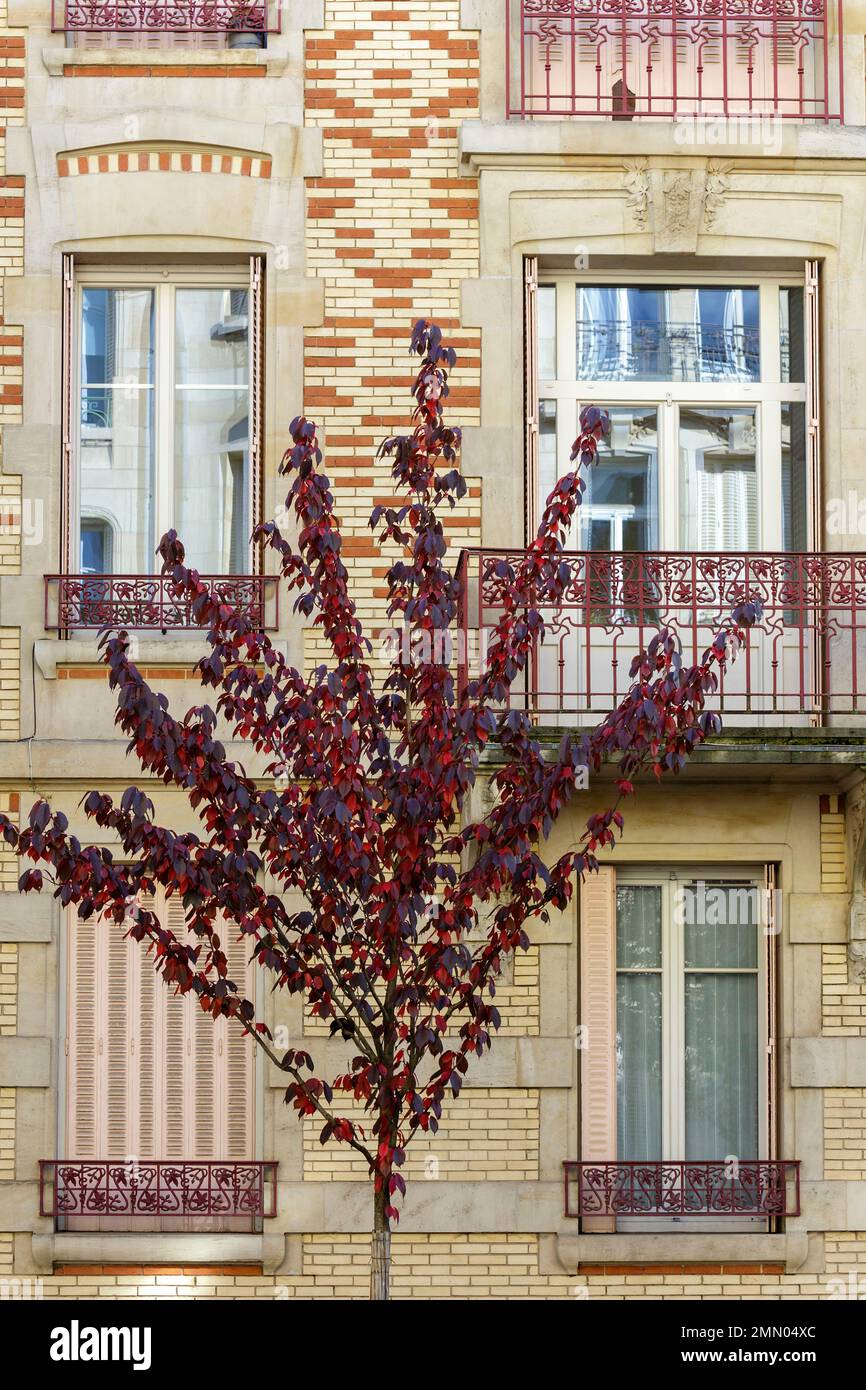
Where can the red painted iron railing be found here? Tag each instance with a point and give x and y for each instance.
(622, 59)
(805, 660)
(164, 16)
(727, 1187)
(147, 602)
(149, 1188)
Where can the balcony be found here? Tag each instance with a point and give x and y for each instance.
(683, 1188)
(106, 1195)
(147, 602)
(666, 59)
(168, 17)
(805, 662)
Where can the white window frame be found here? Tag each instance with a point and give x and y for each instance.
(165, 281)
(767, 396)
(673, 972)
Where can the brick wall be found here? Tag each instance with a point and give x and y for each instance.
(485, 1134)
(843, 999)
(10, 682)
(834, 875)
(483, 1266)
(517, 999)
(845, 1133)
(392, 230)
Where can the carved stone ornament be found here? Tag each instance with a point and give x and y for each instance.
(637, 185)
(715, 188)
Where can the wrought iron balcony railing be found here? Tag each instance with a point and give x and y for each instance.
(147, 601)
(627, 59)
(141, 1190)
(805, 660)
(728, 1187)
(165, 16)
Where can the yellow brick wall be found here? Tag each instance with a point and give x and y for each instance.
(9, 863)
(483, 1266)
(517, 1000)
(7, 1134)
(10, 682)
(10, 525)
(845, 1133)
(843, 999)
(484, 1135)
(834, 876)
(8, 988)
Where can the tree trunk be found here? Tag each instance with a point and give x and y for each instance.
(380, 1255)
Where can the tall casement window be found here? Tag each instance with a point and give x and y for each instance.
(707, 382)
(163, 417)
(148, 1074)
(678, 989)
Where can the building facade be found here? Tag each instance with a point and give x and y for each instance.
(211, 218)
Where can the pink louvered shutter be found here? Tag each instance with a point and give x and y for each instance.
(149, 1074)
(598, 1020)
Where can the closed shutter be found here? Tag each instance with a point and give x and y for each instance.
(83, 1139)
(236, 1065)
(67, 411)
(598, 1020)
(139, 40)
(530, 378)
(771, 935)
(256, 428)
(149, 1074)
(813, 405)
(176, 1090)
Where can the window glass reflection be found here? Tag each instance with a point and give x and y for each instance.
(718, 478)
(660, 333)
(620, 506)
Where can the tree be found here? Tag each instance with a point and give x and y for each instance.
(364, 812)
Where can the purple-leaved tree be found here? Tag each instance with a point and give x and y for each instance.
(365, 810)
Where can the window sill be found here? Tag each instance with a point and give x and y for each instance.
(790, 1249)
(56, 60)
(156, 1248)
(548, 141)
(184, 649)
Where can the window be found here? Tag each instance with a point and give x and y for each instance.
(706, 388)
(149, 1076)
(686, 960)
(164, 390)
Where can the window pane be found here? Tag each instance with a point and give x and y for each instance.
(546, 332)
(659, 333)
(721, 921)
(638, 926)
(718, 478)
(620, 506)
(116, 336)
(547, 469)
(638, 1067)
(116, 467)
(794, 478)
(792, 335)
(116, 447)
(210, 482)
(211, 337)
(211, 428)
(721, 1066)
